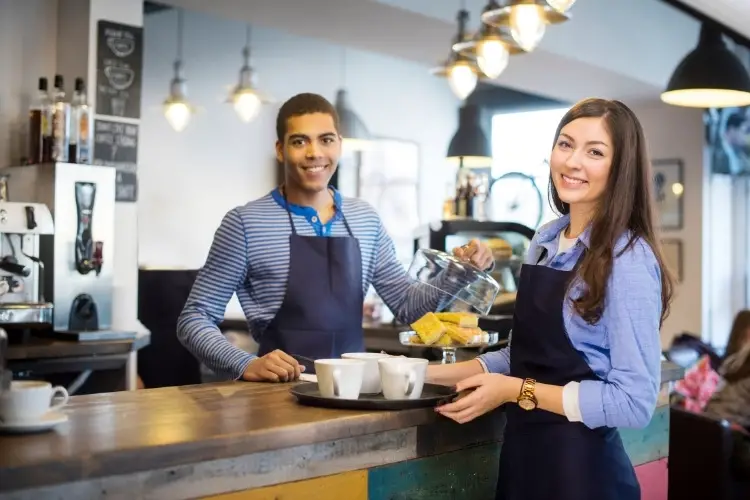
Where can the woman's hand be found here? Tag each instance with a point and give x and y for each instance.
(490, 391)
(477, 253)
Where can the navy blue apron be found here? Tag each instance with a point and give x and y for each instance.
(321, 314)
(544, 455)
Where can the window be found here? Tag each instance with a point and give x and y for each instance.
(521, 142)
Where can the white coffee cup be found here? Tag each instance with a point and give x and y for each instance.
(402, 378)
(339, 378)
(371, 377)
(28, 400)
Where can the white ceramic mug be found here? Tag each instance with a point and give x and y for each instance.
(339, 378)
(402, 378)
(371, 377)
(30, 400)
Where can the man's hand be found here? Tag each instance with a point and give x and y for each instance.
(276, 366)
(477, 253)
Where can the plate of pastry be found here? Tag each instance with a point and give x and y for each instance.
(448, 331)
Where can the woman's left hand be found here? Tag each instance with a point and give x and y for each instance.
(490, 391)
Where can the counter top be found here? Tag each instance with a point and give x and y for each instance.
(129, 432)
(126, 432)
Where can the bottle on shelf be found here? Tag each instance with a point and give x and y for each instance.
(470, 195)
(461, 195)
(79, 147)
(60, 122)
(40, 126)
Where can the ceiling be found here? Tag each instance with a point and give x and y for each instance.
(611, 48)
(732, 13)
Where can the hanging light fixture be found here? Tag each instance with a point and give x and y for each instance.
(177, 109)
(355, 135)
(527, 19)
(245, 97)
(561, 5)
(492, 46)
(460, 69)
(710, 76)
(469, 147)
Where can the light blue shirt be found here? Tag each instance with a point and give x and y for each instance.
(624, 348)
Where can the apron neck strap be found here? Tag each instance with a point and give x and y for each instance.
(288, 212)
(291, 221)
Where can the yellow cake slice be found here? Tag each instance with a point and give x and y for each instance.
(429, 328)
(444, 340)
(461, 334)
(464, 319)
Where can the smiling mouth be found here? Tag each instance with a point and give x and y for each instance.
(315, 168)
(571, 180)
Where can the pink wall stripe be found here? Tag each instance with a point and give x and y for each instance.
(652, 477)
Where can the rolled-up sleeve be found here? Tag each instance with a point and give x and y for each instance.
(632, 315)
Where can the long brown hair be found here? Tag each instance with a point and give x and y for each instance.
(626, 205)
(739, 335)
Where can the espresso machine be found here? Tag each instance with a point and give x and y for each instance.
(23, 304)
(77, 258)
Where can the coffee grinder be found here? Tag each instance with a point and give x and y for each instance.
(78, 257)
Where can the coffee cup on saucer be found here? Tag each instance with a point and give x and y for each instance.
(402, 378)
(371, 377)
(340, 378)
(30, 401)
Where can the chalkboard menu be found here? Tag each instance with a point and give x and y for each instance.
(119, 66)
(116, 145)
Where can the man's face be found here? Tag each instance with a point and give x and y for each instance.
(310, 151)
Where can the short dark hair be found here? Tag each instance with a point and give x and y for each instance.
(735, 120)
(303, 104)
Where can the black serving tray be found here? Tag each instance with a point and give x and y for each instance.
(307, 393)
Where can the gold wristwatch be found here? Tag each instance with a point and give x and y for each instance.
(526, 399)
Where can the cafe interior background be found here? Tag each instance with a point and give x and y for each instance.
(391, 58)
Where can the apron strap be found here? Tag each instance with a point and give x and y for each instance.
(288, 212)
(348, 229)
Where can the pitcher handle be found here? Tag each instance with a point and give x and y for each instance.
(63, 393)
(411, 382)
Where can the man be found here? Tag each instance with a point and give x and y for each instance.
(300, 260)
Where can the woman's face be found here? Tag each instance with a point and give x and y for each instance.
(581, 161)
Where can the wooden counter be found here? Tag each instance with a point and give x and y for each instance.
(214, 439)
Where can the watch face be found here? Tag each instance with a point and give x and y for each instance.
(526, 404)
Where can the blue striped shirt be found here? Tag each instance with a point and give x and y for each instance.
(249, 256)
(623, 349)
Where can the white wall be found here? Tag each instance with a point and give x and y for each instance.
(677, 133)
(189, 180)
(28, 32)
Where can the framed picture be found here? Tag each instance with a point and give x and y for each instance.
(672, 249)
(668, 191)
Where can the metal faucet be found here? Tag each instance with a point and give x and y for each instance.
(5, 374)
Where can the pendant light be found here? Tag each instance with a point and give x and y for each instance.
(561, 5)
(469, 147)
(177, 109)
(492, 46)
(245, 98)
(460, 69)
(527, 19)
(710, 76)
(355, 135)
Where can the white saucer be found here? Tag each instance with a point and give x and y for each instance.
(45, 423)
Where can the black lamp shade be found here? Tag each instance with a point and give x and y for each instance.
(469, 146)
(710, 76)
(351, 126)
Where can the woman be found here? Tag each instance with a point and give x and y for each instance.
(585, 355)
